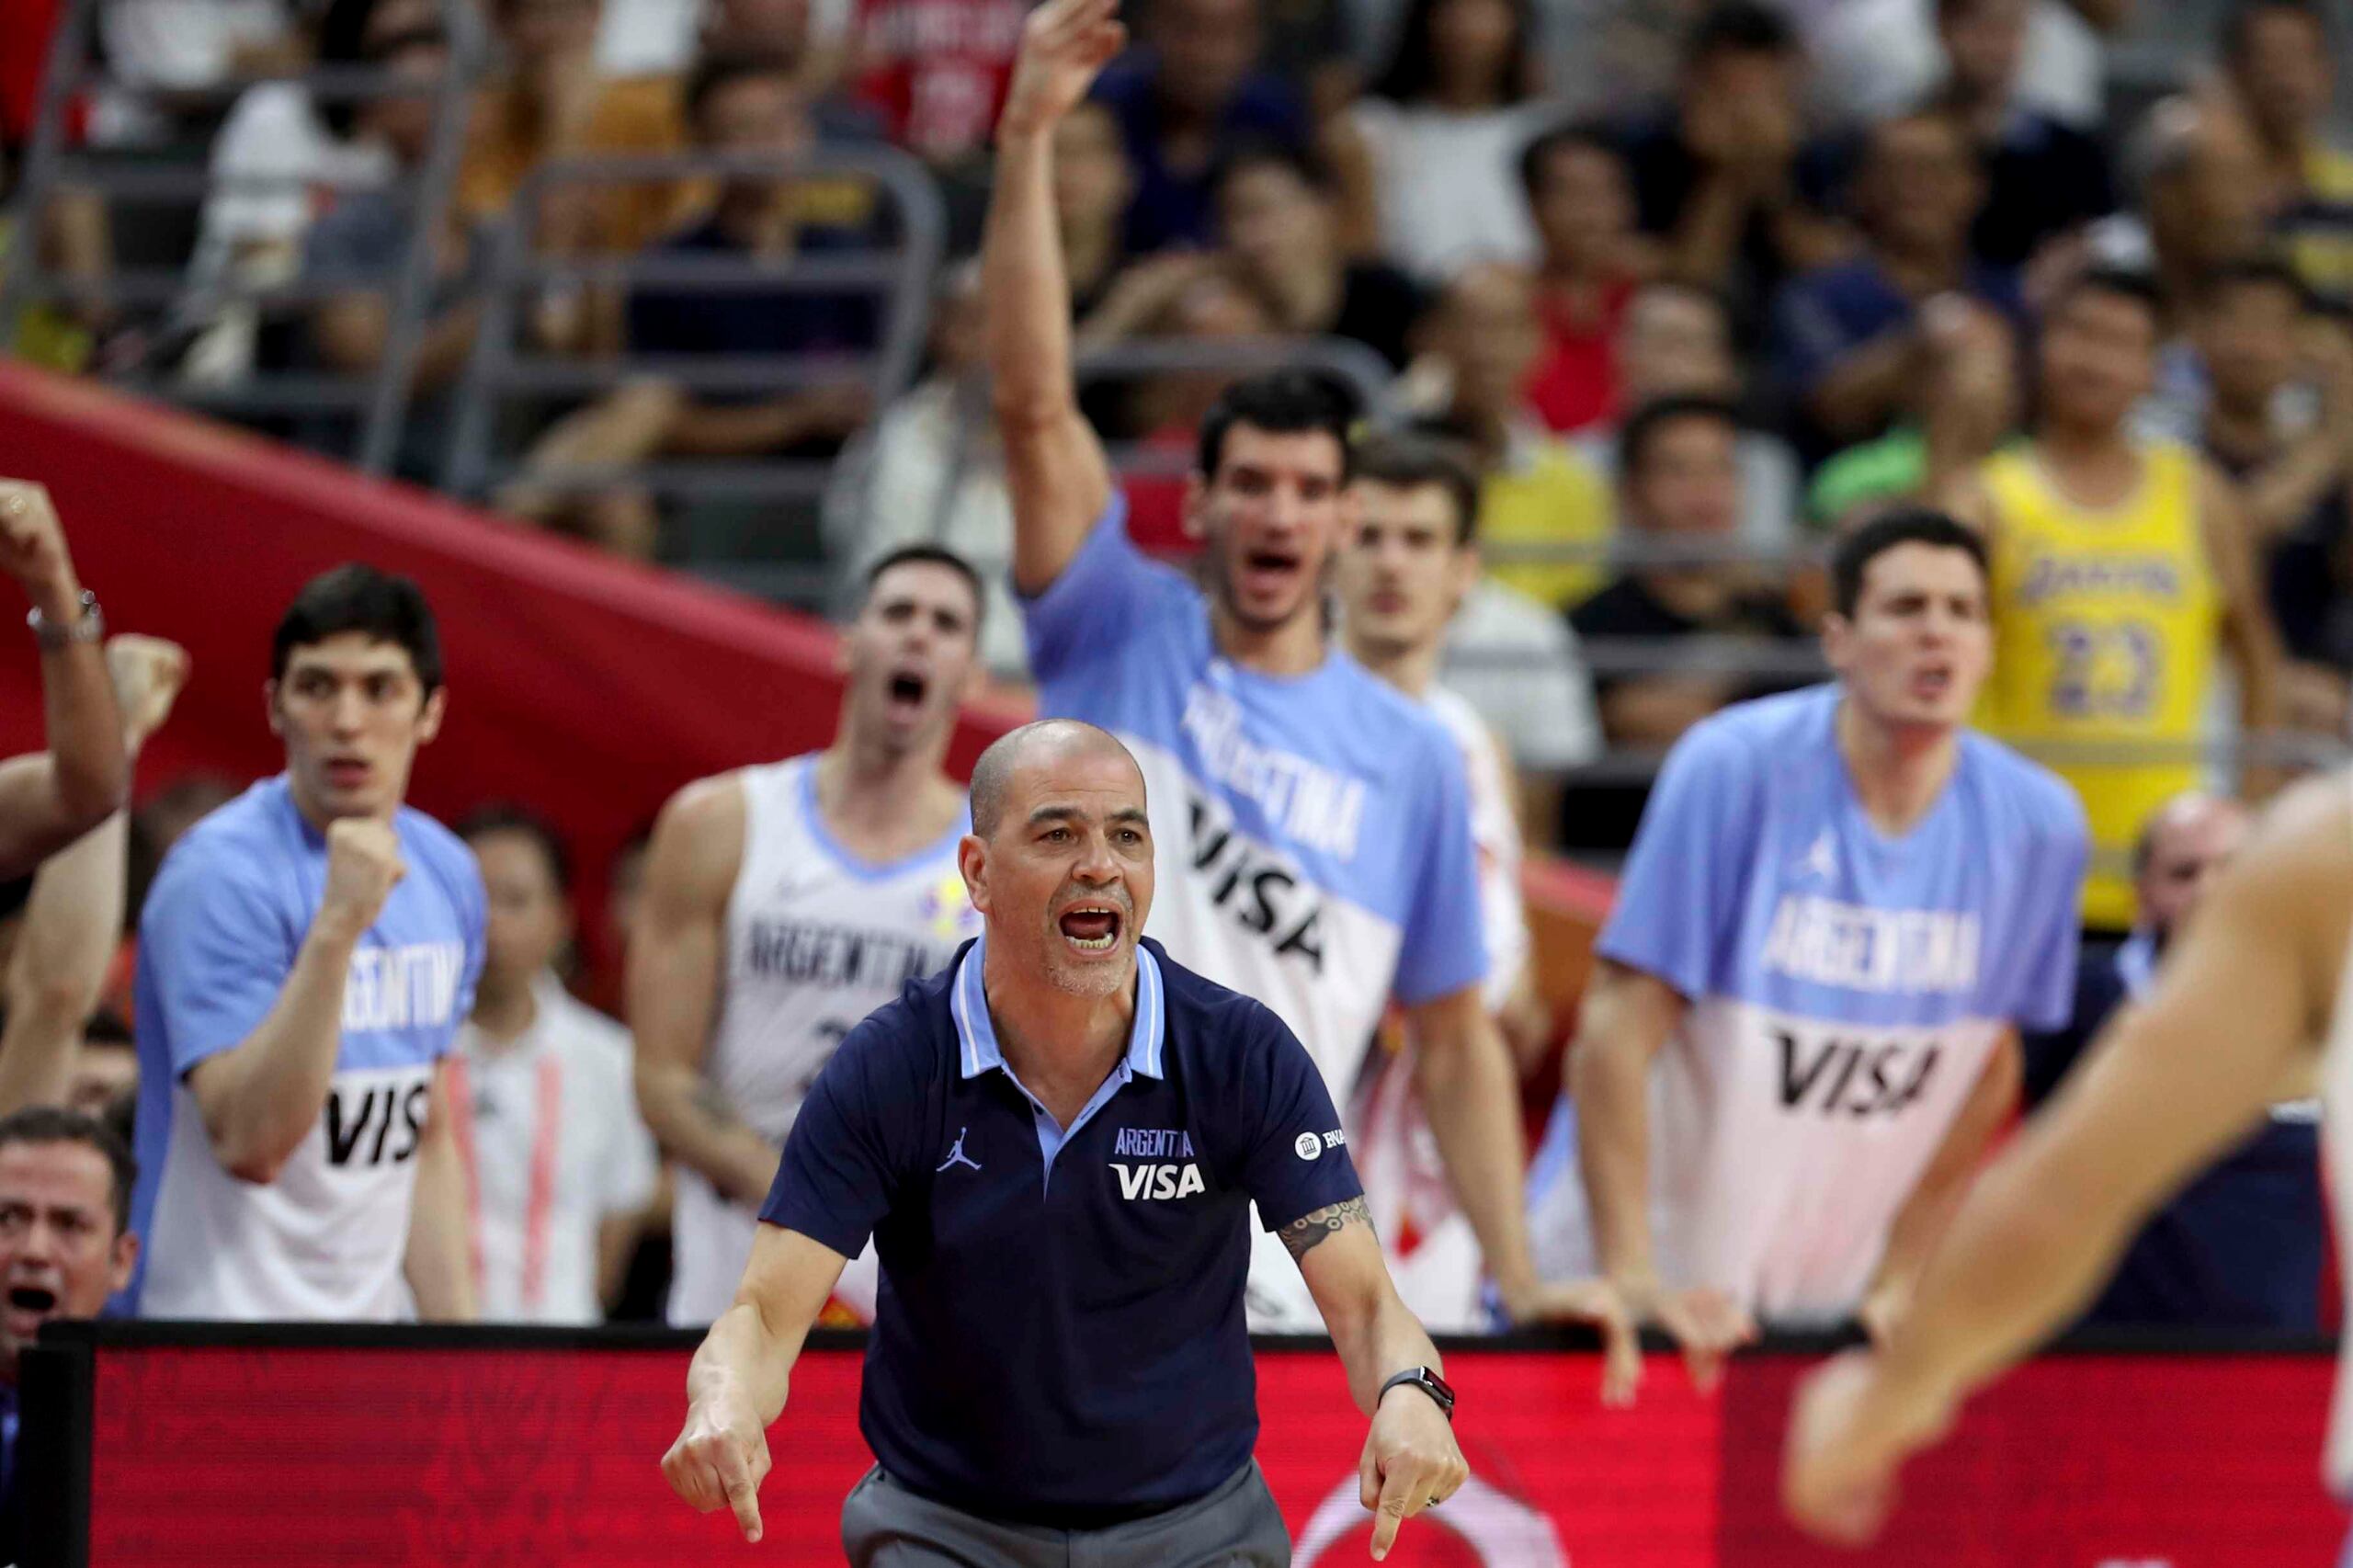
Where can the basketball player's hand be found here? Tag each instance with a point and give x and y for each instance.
(1590, 1301)
(1850, 1430)
(148, 672)
(363, 864)
(1704, 1322)
(1063, 44)
(32, 549)
(718, 1461)
(1411, 1462)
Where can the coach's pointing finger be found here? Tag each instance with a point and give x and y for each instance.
(743, 1489)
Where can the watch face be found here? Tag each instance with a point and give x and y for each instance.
(1444, 1390)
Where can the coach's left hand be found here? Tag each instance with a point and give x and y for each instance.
(1410, 1463)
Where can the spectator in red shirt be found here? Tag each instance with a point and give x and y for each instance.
(1593, 261)
(938, 70)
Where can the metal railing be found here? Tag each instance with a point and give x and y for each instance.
(898, 272)
(379, 402)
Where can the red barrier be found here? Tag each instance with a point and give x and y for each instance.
(584, 684)
(328, 1456)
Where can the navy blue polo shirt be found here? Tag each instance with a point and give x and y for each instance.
(1059, 1336)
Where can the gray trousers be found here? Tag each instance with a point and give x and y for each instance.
(1238, 1525)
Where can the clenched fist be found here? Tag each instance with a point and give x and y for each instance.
(148, 672)
(1063, 44)
(363, 864)
(718, 1461)
(32, 548)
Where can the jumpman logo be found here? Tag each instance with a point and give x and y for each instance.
(956, 1155)
(1822, 860)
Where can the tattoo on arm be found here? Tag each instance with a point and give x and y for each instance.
(1301, 1234)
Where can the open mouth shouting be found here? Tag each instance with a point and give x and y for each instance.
(1932, 682)
(1092, 926)
(1268, 575)
(904, 692)
(29, 1306)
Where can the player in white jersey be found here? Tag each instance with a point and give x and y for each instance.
(1401, 577)
(784, 903)
(1840, 909)
(1313, 836)
(2251, 1002)
(559, 1169)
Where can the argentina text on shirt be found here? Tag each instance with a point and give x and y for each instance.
(1306, 801)
(1857, 948)
(413, 986)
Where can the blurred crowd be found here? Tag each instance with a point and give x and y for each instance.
(1840, 224)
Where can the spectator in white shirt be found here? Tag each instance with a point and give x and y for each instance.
(558, 1168)
(1430, 156)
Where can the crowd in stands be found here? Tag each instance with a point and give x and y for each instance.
(1843, 221)
(1695, 286)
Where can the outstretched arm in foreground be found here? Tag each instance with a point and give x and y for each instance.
(2244, 994)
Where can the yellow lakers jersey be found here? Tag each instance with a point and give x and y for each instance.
(2105, 621)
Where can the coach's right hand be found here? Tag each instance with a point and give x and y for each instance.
(718, 1461)
(1063, 44)
(363, 864)
(1705, 1322)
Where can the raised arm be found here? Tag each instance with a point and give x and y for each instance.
(260, 1098)
(51, 799)
(1410, 1459)
(73, 917)
(674, 972)
(2243, 994)
(1055, 465)
(737, 1385)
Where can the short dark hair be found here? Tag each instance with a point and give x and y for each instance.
(927, 555)
(1283, 403)
(1644, 426)
(2267, 271)
(1410, 462)
(512, 816)
(1575, 134)
(2238, 22)
(1904, 525)
(1261, 153)
(723, 69)
(55, 1124)
(2122, 283)
(1738, 26)
(356, 596)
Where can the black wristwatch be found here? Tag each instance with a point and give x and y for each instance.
(1428, 1381)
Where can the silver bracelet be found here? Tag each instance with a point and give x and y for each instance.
(87, 627)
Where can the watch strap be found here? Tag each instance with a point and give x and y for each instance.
(1427, 1381)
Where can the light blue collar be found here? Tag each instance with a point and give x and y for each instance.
(976, 1036)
